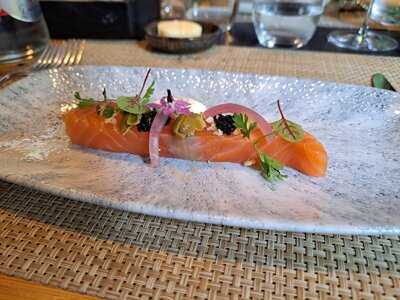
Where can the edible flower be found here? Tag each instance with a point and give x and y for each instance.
(169, 106)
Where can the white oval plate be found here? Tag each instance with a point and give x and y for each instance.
(359, 126)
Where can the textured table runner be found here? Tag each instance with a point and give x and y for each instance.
(120, 255)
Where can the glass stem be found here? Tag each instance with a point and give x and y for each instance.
(228, 38)
(362, 32)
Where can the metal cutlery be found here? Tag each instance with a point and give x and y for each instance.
(66, 53)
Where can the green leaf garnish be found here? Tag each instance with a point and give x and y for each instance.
(288, 130)
(270, 168)
(131, 105)
(78, 96)
(128, 121)
(84, 102)
(108, 112)
(245, 126)
(295, 134)
(133, 119)
(124, 127)
(379, 81)
(137, 105)
(149, 92)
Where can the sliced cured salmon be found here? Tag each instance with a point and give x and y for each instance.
(87, 128)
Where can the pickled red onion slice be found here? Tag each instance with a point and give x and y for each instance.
(154, 138)
(225, 108)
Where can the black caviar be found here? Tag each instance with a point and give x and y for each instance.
(146, 120)
(225, 123)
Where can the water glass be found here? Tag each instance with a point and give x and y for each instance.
(23, 31)
(287, 23)
(219, 12)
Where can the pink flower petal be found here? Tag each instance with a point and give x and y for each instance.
(154, 106)
(164, 101)
(169, 108)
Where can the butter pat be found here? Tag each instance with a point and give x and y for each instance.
(179, 29)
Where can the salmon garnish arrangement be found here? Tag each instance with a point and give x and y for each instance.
(173, 128)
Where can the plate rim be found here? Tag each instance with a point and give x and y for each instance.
(321, 228)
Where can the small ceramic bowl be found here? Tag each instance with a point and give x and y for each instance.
(210, 35)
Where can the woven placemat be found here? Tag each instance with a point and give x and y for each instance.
(339, 67)
(120, 255)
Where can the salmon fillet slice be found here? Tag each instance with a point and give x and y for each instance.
(86, 128)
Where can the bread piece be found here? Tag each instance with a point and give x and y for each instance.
(179, 29)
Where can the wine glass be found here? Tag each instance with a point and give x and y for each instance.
(386, 12)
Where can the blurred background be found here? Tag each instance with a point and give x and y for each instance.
(127, 18)
(320, 25)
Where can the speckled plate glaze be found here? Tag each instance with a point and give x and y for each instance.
(359, 126)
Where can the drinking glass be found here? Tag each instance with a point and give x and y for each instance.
(288, 23)
(385, 12)
(219, 12)
(23, 31)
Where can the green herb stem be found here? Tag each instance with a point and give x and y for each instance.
(144, 82)
(284, 120)
(263, 137)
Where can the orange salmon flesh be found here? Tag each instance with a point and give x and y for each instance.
(86, 128)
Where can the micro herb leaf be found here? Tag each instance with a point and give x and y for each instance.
(133, 119)
(282, 128)
(108, 112)
(245, 126)
(147, 95)
(270, 168)
(131, 105)
(288, 130)
(84, 102)
(77, 96)
(137, 105)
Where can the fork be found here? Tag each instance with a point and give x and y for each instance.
(65, 54)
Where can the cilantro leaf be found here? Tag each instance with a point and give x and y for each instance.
(84, 102)
(242, 122)
(147, 95)
(270, 168)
